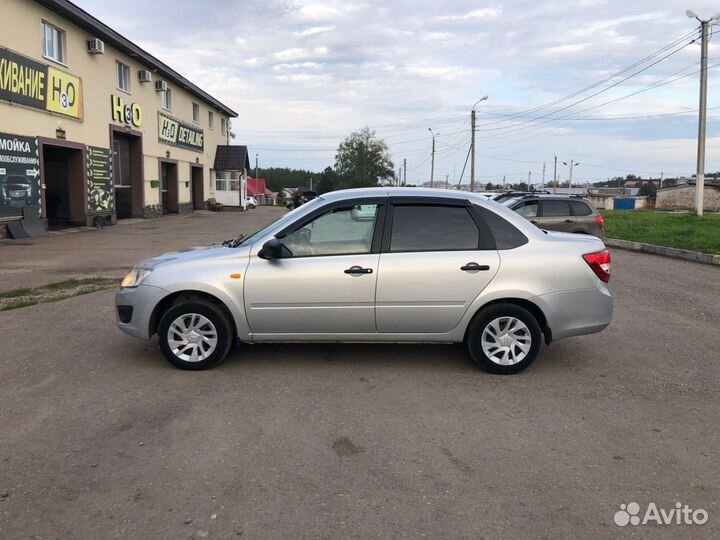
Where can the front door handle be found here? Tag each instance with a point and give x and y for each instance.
(358, 270)
(474, 267)
(533, 222)
(568, 221)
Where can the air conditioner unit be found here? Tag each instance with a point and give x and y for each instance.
(144, 75)
(95, 46)
(161, 86)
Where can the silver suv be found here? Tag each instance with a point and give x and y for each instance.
(377, 264)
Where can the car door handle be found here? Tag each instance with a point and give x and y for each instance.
(358, 270)
(474, 267)
(533, 221)
(568, 221)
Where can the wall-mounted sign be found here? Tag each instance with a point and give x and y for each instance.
(130, 114)
(19, 174)
(99, 178)
(178, 133)
(30, 83)
(63, 93)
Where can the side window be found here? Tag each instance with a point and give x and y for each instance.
(433, 228)
(555, 209)
(580, 208)
(342, 231)
(505, 234)
(527, 209)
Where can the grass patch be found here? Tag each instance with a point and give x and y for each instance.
(669, 229)
(53, 292)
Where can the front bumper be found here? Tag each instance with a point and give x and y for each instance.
(134, 307)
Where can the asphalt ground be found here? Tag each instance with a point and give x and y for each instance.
(101, 438)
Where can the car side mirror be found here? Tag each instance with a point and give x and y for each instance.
(272, 249)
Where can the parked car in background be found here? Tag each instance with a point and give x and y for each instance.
(564, 213)
(502, 197)
(381, 265)
(251, 202)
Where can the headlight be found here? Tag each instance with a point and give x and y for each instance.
(135, 277)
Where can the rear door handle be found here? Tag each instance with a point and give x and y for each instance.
(358, 270)
(474, 267)
(533, 222)
(568, 221)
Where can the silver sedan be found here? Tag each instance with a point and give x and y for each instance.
(376, 264)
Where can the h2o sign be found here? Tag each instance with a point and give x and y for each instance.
(130, 114)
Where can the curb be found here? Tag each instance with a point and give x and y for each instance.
(694, 256)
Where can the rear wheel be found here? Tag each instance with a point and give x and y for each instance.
(504, 338)
(195, 335)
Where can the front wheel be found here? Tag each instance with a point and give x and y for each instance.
(504, 338)
(195, 335)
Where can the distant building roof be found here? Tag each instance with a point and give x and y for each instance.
(256, 186)
(231, 157)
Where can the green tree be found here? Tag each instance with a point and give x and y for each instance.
(328, 181)
(363, 160)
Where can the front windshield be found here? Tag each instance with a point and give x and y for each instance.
(278, 224)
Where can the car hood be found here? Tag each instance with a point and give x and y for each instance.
(193, 254)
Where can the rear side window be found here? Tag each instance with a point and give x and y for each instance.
(506, 234)
(527, 209)
(555, 208)
(433, 228)
(580, 208)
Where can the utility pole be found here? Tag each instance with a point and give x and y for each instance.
(404, 171)
(529, 176)
(543, 178)
(702, 121)
(432, 161)
(661, 179)
(572, 165)
(472, 144)
(447, 183)
(555, 176)
(256, 166)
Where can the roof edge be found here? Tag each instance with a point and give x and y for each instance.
(84, 20)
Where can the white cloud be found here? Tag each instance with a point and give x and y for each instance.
(476, 14)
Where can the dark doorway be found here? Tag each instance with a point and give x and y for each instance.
(127, 174)
(169, 187)
(64, 181)
(197, 190)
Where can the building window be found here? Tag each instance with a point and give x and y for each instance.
(221, 181)
(196, 113)
(223, 126)
(53, 43)
(211, 119)
(166, 99)
(123, 77)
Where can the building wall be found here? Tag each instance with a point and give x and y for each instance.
(683, 198)
(22, 33)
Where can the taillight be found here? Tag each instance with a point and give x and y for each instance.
(599, 221)
(599, 262)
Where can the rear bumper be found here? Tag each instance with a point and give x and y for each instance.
(134, 307)
(576, 313)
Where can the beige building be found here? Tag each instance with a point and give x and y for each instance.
(682, 197)
(92, 125)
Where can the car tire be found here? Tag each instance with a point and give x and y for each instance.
(504, 339)
(208, 332)
(251, 206)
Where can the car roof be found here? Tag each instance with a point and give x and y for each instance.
(343, 194)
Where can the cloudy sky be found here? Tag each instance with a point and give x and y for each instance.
(303, 74)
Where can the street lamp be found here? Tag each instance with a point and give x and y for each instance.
(572, 165)
(432, 163)
(472, 144)
(702, 121)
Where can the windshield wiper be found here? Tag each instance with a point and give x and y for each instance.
(233, 242)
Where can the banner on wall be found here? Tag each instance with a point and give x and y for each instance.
(19, 175)
(178, 133)
(99, 178)
(40, 86)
